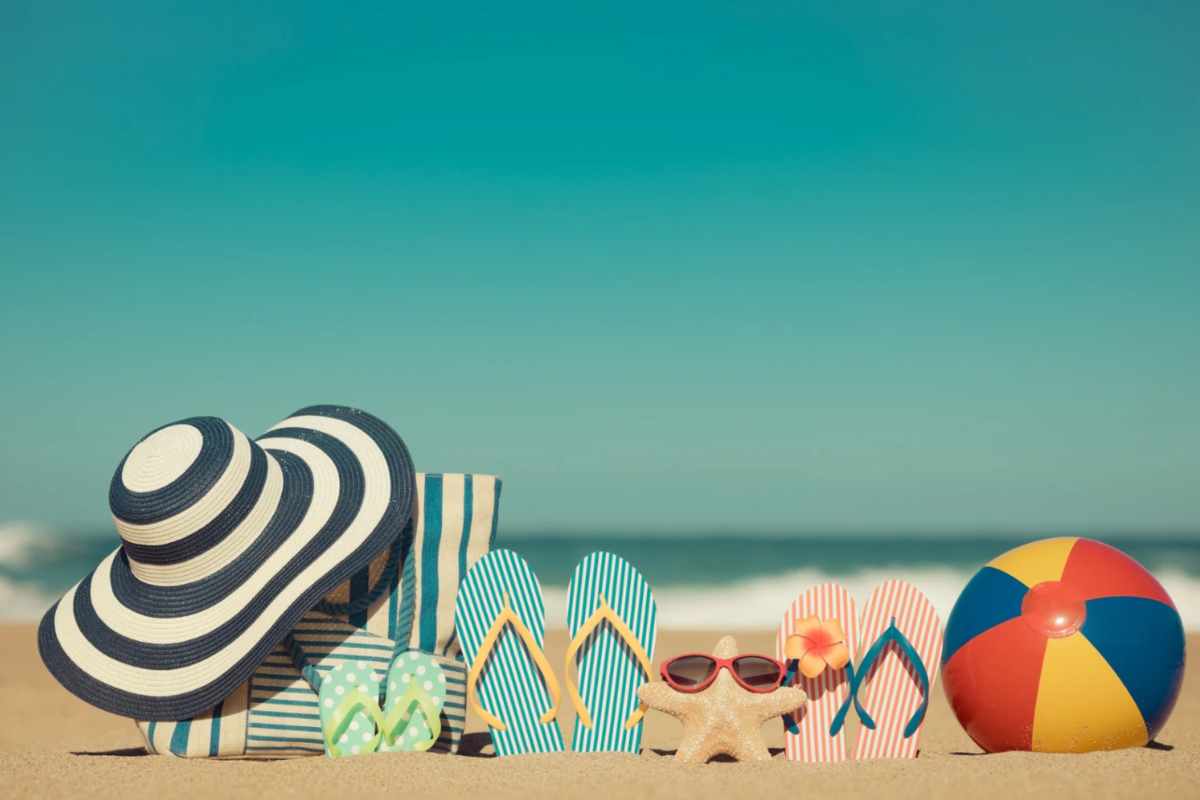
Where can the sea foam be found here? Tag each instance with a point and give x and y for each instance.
(759, 603)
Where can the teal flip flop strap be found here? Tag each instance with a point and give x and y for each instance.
(789, 721)
(344, 714)
(839, 719)
(892, 634)
(414, 699)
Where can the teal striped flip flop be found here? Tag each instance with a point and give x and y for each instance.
(611, 616)
(499, 617)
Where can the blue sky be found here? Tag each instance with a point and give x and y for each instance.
(663, 267)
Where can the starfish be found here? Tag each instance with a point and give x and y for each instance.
(724, 718)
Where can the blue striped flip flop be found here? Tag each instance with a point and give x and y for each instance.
(611, 616)
(499, 617)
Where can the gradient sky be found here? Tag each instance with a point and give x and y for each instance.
(662, 266)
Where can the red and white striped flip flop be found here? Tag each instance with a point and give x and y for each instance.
(891, 691)
(828, 603)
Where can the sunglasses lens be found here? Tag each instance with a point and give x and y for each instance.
(757, 672)
(690, 670)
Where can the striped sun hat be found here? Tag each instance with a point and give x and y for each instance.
(225, 544)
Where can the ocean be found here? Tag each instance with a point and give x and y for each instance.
(717, 582)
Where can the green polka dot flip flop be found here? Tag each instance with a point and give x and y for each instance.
(416, 692)
(351, 721)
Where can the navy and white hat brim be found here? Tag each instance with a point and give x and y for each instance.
(171, 623)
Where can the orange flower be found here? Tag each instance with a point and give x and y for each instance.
(817, 645)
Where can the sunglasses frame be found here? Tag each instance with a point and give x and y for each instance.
(722, 664)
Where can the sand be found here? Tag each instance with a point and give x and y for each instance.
(52, 745)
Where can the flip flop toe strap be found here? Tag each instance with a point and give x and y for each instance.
(891, 635)
(343, 715)
(508, 616)
(789, 719)
(413, 700)
(605, 613)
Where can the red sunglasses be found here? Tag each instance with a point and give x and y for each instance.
(695, 672)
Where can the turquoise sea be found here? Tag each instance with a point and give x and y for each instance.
(713, 582)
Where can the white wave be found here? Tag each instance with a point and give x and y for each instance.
(751, 604)
(21, 602)
(759, 603)
(1184, 590)
(23, 544)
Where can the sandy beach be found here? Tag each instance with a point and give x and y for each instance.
(53, 745)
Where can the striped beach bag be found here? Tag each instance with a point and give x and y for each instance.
(275, 713)
(403, 601)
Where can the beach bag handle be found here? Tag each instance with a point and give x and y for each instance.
(386, 578)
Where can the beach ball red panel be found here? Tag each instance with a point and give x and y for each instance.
(1063, 645)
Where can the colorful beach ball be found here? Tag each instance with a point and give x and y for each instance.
(1063, 645)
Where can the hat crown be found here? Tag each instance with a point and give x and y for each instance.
(162, 457)
(180, 491)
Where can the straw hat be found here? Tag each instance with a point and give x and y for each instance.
(225, 543)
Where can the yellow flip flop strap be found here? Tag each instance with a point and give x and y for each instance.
(505, 617)
(604, 612)
(415, 699)
(343, 715)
